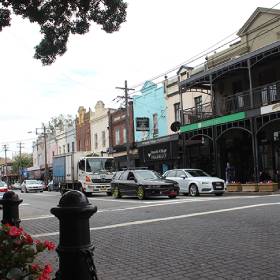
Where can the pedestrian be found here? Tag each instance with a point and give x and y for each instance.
(278, 178)
(230, 173)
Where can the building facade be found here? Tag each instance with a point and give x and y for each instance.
(99, 123)
(83, 133)
(244, 83)
(150, 120)
(118, 137)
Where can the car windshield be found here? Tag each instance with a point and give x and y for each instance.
(147, 174)
(197, 173)
(99, 164)
(32, 182)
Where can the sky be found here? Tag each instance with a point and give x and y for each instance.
(157, 36)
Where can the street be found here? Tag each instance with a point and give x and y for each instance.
(206, 237)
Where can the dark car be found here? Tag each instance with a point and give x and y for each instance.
(142, 183)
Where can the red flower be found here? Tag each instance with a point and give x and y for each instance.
(28, 238)
(46, 273)
(50, 245)
(14, 231)
(35, 267)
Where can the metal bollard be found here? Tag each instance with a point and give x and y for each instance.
(75, 249)
(11, 202)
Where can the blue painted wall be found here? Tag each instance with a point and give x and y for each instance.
(151, 101)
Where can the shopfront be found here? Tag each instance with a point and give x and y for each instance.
(159, 154)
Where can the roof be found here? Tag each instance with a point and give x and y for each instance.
(255, 14)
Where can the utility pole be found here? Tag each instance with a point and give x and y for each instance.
(20, 145)
(125, 97)
(5, 147)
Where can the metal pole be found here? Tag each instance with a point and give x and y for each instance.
(6, 165)
(46, 160)
(250, 84)
(127, 125)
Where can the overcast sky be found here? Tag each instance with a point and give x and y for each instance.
(157, 36)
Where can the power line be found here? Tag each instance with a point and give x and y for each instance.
(202, 54)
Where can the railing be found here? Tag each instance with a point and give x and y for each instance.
(263, 95)
(198, 113)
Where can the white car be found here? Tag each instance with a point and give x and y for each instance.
(3, 188)
(31, 185)
(196, 181)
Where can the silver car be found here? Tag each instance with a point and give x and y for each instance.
(31, 185)
(196, 181)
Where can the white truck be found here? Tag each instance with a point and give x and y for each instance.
(84, 172)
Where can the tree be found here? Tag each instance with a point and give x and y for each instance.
(57, 19)
(23, 161)
(60, 122)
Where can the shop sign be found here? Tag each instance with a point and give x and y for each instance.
(142, 124)
(270, 108)
(158, 154)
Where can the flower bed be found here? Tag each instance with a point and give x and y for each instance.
(18, 252)
(250, 187)
(234, 187)
(268, 187)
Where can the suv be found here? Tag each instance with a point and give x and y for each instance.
(142, 183)
(196, 181)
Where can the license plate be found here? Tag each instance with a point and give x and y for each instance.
(219, 187)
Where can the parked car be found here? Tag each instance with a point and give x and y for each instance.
(142, 183)
(31, 185)
(16, 186)
(3, 188)
(52, 186)
(196, 181)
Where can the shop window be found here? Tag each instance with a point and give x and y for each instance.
(124, 135)
(96, 141)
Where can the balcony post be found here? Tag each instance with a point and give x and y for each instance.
(212, 96)
(250, 83)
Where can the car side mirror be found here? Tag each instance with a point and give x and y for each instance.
(183, 176)
(135, 180)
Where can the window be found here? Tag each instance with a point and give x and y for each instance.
(73, 146)
(198, 104)
(95, 141)
(177, 112)
(59, 150)
(180, 173)
(82, 164)
(68, 148)
(155, 123)
(103, 139)
(124, 136)
(117, 136)
(64, 149)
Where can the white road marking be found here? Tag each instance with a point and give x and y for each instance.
(38, 217)
(171, 218)
(24, 204)
(110, 200)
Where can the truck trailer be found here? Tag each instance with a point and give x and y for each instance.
(84, 172)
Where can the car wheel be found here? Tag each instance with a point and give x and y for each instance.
(193, 191)
(21, 190)
(140, 193)
(172, 196)
(116, 193)
(219, 194)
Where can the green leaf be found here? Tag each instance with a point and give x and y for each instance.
(15, 273)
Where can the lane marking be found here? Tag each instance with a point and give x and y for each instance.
(110, 200)
(161, 203)
(171, 218)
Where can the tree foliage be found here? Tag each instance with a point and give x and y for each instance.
(23, 161)
(60, 122)
(58, 19)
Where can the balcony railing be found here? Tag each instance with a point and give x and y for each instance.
(263, 95)
(198, 113)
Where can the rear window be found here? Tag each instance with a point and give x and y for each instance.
(117, 175)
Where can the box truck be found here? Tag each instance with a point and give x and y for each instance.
(84, 172)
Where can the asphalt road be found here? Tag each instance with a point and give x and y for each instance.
(206, 237)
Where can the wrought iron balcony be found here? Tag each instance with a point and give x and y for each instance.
(262, 96)
(198, 113)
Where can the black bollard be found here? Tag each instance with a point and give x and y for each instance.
(75, 249)
(10, 202)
